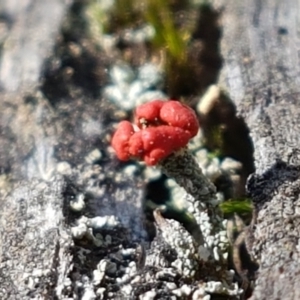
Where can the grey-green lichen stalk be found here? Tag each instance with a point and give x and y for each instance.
(202, 203)
(197, 252)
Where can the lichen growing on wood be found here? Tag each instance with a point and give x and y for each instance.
(200, 253)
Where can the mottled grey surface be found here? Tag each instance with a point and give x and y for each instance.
(71, 215)
(31, 26)
(34, 242)
(260, 47)
(55, 155)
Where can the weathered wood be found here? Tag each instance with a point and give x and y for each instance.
(29, 37)
(33, 238)
(38, 257)
(260, 47)
(260, 51)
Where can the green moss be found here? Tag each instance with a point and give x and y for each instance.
(216, 153)
(168, 36)
(243, 207)
(126, 13)
(174, 22)
(98, 18)
(171, 39)
(122, 14)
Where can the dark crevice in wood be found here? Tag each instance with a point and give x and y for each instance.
(76, 63)
(204, 59)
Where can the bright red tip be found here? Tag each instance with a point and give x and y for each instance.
(166, 126)
(155, 143)
(179, 115)
(120, 140)
(148, 112)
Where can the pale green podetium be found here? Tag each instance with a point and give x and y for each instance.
(202, 203)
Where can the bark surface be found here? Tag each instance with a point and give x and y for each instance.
(51, 133)
(34, 243)
(260, 47)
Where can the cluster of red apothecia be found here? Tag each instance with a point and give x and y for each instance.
(162, 128)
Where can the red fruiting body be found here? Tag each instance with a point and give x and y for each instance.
(176, 114)
(148, 112)
(121, 138)
(155, 143)
(165, 126)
